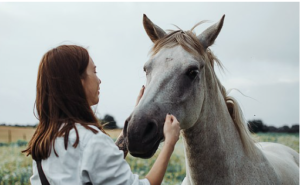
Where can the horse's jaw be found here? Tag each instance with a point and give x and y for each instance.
(145, 154)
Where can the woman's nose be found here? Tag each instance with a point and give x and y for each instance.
(99, 81)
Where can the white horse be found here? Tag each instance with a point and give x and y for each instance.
(218, 147)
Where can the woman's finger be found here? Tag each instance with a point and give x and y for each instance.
(168, 118)
(174, 119)
(141, 93)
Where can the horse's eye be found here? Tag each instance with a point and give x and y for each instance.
(192, 73)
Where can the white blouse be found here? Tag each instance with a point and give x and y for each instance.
(95, 160)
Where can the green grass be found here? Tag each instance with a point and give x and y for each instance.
(15, 168)
(290, 140)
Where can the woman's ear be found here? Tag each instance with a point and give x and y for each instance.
(82, 81)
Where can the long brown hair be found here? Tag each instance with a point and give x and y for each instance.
(60, 99)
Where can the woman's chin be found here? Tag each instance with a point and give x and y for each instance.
(95, 102)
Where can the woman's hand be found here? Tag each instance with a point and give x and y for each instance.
(171, 133)
(140, 95)
(171, 130)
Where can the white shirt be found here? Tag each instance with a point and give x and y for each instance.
(95, 160)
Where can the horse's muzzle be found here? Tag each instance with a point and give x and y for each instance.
(142, 136)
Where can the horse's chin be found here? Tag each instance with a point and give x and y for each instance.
(146, 154)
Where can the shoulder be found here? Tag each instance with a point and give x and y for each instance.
(87, 136)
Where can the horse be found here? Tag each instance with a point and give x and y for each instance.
(218, 146)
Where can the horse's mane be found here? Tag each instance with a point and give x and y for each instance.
(189, 42)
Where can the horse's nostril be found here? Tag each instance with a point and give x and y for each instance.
(126, 125)
(150, 130)
(151, 127)
(125, 129)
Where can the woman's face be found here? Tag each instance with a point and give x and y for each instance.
(91, 84)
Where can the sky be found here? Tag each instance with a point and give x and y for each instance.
(258, 45)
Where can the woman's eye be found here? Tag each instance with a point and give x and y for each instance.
(192, 73)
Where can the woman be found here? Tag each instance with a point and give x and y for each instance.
(69, 146)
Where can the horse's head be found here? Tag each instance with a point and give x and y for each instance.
(175, 84)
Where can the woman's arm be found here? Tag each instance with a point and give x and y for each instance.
(171, 132)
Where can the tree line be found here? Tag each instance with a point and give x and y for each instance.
(255, 126)
(108, 122)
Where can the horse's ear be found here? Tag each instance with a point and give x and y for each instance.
(153, 31)
(208, 37)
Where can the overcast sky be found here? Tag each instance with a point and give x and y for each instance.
(258, 45)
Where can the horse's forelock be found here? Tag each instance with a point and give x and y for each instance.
(186, 39)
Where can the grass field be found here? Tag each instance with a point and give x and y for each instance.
(15, 168)
(13, 134)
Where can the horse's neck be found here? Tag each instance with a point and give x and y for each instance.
(212, 145)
